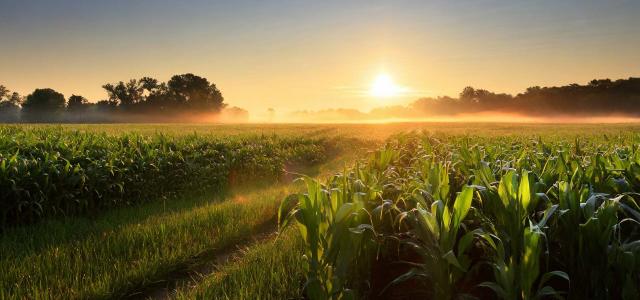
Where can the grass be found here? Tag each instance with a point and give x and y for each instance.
(25, 240)
(271, 270)
(113, 260)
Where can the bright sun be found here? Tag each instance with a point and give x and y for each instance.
(383, 86)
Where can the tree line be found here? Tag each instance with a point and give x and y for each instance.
(137, 99)
(599, 97)
(147, 99)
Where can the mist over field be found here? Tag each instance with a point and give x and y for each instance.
(191, 98)
(598, 101)
(355, 116)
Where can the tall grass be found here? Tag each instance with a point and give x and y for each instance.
(270, 270)
(117, 258)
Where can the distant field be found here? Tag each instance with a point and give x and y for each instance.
(362, 131)
(160, 210)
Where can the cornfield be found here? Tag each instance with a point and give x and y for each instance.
(53, 172)
(500, 217)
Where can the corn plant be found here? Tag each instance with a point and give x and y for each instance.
(52, 172)
(435, 237)
(513, 217)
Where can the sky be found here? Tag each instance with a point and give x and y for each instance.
(310, 55)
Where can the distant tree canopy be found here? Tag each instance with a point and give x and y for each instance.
(9, 105)
(43, 105)
(598, 97)
(9, 99)
(144, 99)
(77, 103)
(195, 92)
(186, 92)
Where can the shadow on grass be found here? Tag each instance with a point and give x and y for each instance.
(25, 240)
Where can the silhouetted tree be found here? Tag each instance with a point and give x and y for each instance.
(125, 94)
(106, 106)
(156, 95)
(7, 96)
(4, 92)
(9, 105)
(77, 103)
(598, 97)
(15, 99)
(43, 105)
(149, 84)
(194, 92)
(186, 92)
(600, 83)
(468, 94)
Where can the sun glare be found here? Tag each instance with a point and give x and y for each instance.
(383, 87)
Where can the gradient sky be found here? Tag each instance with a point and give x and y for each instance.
(293, 55)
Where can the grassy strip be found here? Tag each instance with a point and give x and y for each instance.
(27, 240)
(271, 270)
(111, 263)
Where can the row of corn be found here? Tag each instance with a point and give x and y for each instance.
(453, 217)
(54, 172)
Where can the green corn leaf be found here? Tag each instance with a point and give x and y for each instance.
(461, 206)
